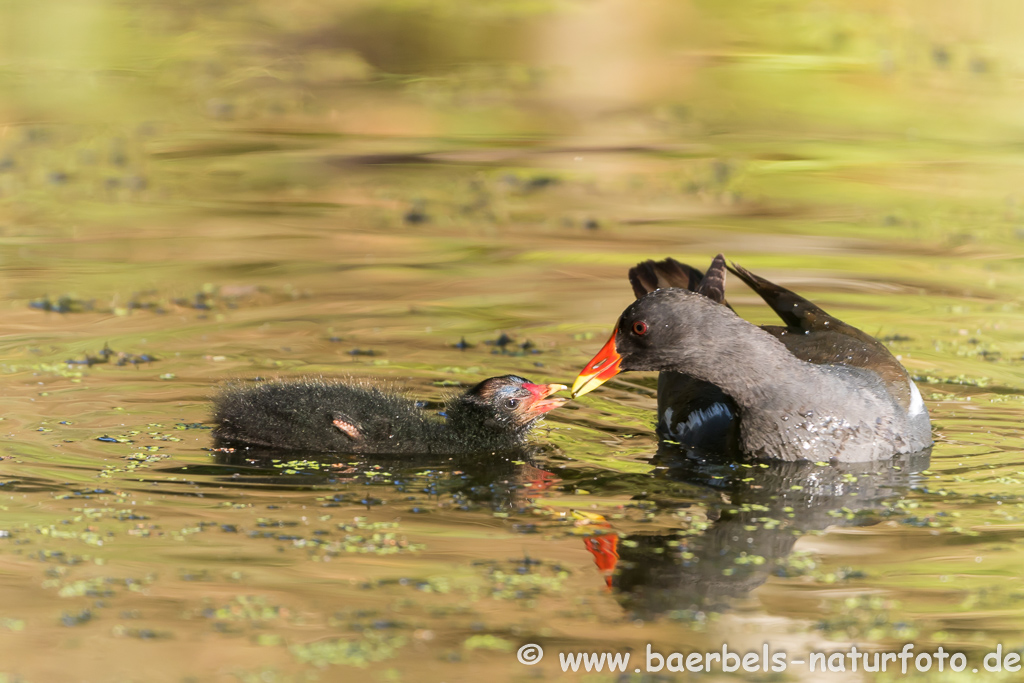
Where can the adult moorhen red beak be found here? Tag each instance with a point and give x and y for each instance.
(815, 388)
(330, 416)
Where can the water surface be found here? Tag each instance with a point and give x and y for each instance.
(217, 190)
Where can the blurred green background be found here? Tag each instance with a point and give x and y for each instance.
(252, 188)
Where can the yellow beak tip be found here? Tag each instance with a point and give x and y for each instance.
(584, 385)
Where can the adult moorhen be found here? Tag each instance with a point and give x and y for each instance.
(312, 414)
(814, 388)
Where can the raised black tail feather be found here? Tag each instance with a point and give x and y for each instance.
(648, 276)
(712, 285)
(796, 311)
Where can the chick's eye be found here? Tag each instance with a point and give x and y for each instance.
(512, 403)
(640, 327)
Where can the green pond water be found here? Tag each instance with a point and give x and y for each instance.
(192, 192)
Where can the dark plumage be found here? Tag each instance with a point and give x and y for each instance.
(692, 412)
(321, 415)
(815, 388)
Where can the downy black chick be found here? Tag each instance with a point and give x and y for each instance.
(314, 414)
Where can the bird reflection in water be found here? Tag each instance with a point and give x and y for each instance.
(756, 514)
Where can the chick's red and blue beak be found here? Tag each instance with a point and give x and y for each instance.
(539, 401)
(600, 369)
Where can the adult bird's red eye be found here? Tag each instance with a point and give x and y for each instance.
(640, 327)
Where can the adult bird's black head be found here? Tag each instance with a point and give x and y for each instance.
(667, 329)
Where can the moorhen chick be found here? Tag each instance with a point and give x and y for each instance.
(313, 414)
(813, 389)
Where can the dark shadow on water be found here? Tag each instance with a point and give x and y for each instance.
(495, 481)
(761, 511)
(755, 511)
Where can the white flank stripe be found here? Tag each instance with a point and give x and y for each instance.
(916, 402)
